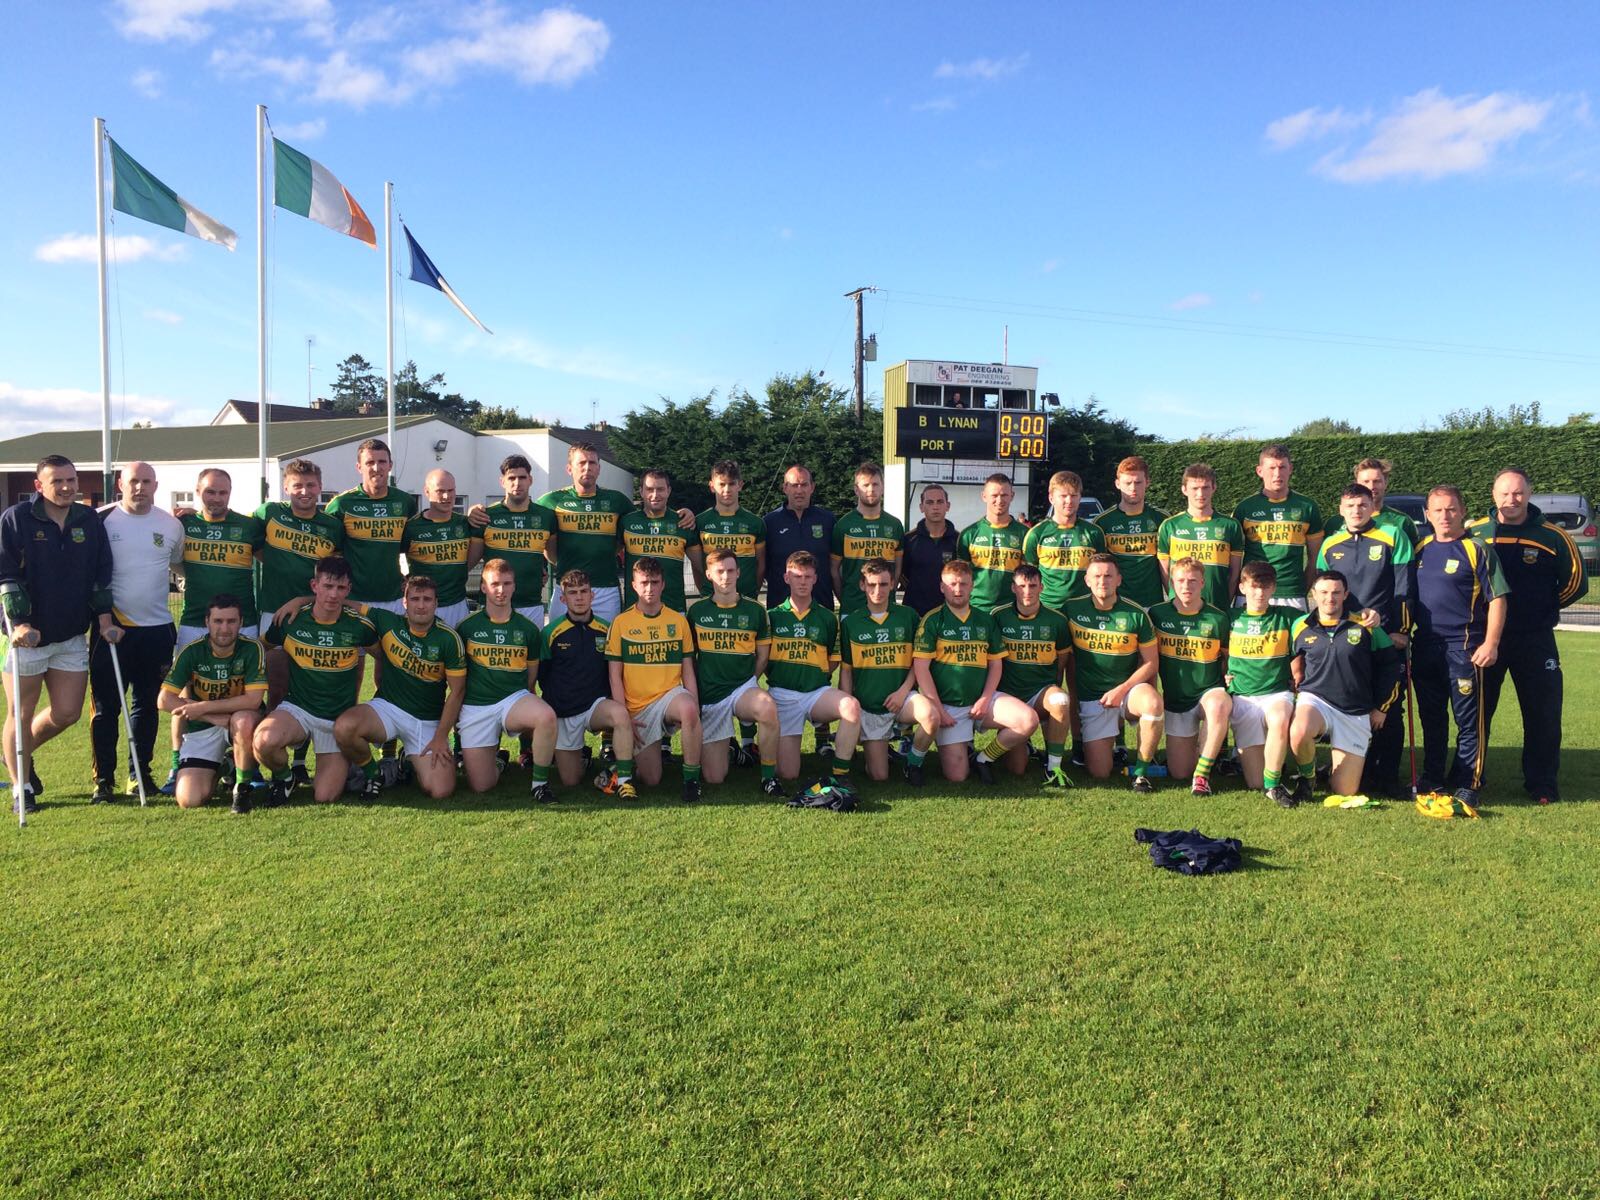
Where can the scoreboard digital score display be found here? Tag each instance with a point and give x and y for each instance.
(980, 433)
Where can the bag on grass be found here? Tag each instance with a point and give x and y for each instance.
(1191, 852)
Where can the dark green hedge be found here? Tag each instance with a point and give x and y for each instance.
(1561, 458)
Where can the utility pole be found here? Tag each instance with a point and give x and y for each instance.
(310, 342)
(861, 391)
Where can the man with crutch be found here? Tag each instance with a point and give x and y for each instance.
(55, 580)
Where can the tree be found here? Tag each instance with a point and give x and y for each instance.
(1087, 439)
(495, 416)
(1516, 416)
(1324, 427)
(358, 383)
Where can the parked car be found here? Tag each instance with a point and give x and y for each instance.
(1576, 515)
(1089, 508)
(1413, 505)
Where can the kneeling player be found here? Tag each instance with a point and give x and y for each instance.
(576, 681)
(877, 642)
(1261, 683)
(805, 649)
(650, 653)
(1114, 665)
(422, 677)
(503, 648)
(958, 658)
(732, 643)
(1037, 645)
(1348, 678)
(216, 687)
(1192, 648)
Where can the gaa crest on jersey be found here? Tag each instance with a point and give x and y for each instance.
(1451, 565)
(1375, 551)
(816, 531)
(1353, 636)
(77, 534)
(1464, 686)
(159, 539)
(1530, 555)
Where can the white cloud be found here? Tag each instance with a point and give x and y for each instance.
(35, 410)
(341, 80)
(1192, 300)
(128, 248)
(987, 69)
(192, 20)
(786, 234)
(147, 83)
(163, 316)
(1310, 124)
(938, 104)
(303, 131)
(556, 46)
(1050, 266)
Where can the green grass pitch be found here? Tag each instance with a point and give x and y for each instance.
(963, 992)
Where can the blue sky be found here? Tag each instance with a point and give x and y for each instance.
(1210, 217)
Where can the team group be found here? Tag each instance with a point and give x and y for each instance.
(1271, 625)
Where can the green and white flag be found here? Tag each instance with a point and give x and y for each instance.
(140, 194)
(303, 185)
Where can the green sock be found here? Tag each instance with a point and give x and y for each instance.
(370, 768)
(1202, 766)
(1269, 779)
(1308, 764)
(624, 769)
(1136, 768)
(1053, 754)
(174, 760)
(994, 753)
(769, 770)
(540, 774)
(915, 756)
(691, 772)
(241, 774)
(841, 766)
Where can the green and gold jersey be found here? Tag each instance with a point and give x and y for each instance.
(498, 655)
(1061, 553)
(290, 548)
(1033, 647)
(742, 532)
(1193, 649)
(587, 532)
(324, 659)
(1275, 532)
(1106, 644)
(438, 549)
(520, 538)
(878, 650)
(416, 665)
(725, 643)
(206, 675)
(959, 650)
(1259, 651)
(1132, 538)
(856, 539)
(994, 552)
(805, 645)
(659, 538)
(219, 556)
(373, 531)
(1212, 541)
(651, 651)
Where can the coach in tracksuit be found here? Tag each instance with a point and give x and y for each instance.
(1460, 609)
(798, 525)
(1546, 575)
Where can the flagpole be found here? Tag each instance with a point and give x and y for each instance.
(105, 312)
(388, 308)
(262, 417)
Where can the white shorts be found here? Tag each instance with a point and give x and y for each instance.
(1186, 724)
(1298, 603)
(716, 720)
(203, 746)
(415, 732)
(606, 605)
(193, 633)
(534, 613)
(794, 707)
(318, 729)
(570, 730)
(650, 722)
(1346, 733)
(397, 607)
(69, 654)
(879, 727)
(961, 731)
(1249, 719)
(481, 725)
(1097, 722)
(452, 614)
(1037, 698)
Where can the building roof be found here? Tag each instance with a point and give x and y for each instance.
(249, 410)
(596, 437)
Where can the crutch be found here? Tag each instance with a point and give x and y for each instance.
(19, 778)
(127, 723)
(1411, 722)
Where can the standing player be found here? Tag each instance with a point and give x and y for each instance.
(1130, 529)
(1192, 654)
(1114, 666)
(653, 531)
(992, 544)
(729, 526)
(798, 525)
(588, 521)
(864, 533)
(1373, 474)
(877, 643)
(732, 644)
(216, 685)
(1060, 545)
(324, 642)
(1214, 541)
(1037, 645)
(928, 547)
(518, 532)
(1262, 686)
(1281, 527)
(805, 650)
(503, 648)
(650, 653)
(422, 679)
(438, 543)
(1348, 680)
(374, 517)
(958, 659)
(576, 681)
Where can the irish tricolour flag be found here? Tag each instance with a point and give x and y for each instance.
(303, 185)
(140, 194)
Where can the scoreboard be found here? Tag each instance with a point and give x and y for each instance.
(1010, 435)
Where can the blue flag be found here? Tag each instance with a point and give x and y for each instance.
(423, 271)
